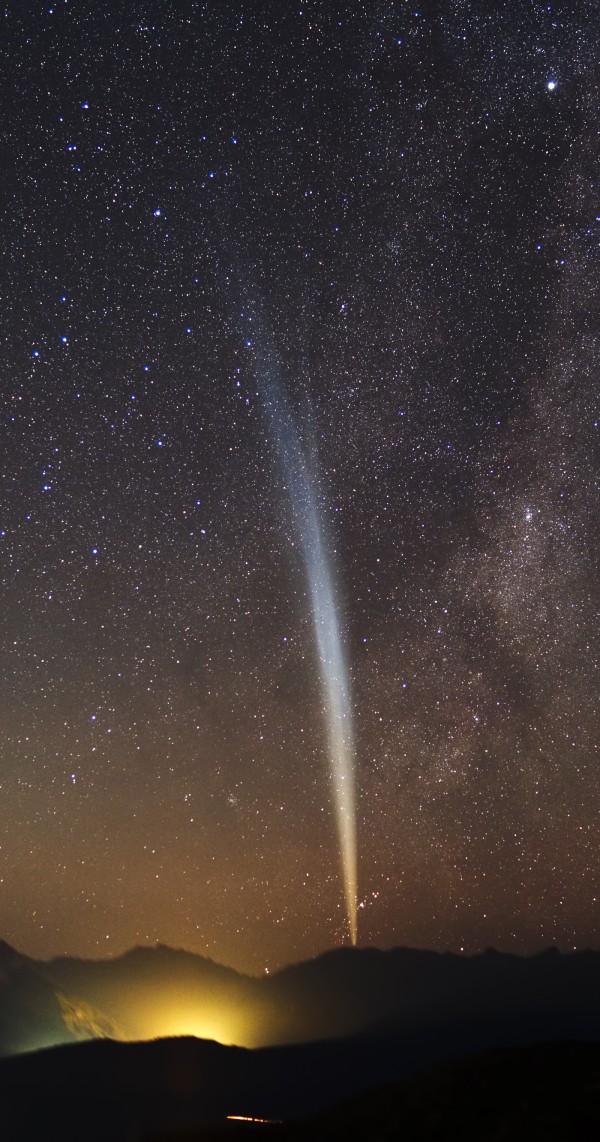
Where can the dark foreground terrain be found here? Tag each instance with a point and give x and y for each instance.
(537, 1093)
(185, 1090)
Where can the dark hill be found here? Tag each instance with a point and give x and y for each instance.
(184, 1089)
(545, 1093)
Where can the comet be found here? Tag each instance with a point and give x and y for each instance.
(303, 490)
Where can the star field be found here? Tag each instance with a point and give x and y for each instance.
(409, 197)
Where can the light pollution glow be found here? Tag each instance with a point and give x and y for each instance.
(300, 480)
(170, 1018)
(178, 1008)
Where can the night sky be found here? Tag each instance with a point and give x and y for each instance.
(389, 213)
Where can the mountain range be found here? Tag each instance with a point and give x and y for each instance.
(359, 1025)
(156, 992)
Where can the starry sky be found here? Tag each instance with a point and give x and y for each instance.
(407, 196)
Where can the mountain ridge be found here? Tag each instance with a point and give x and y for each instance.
(153, 992)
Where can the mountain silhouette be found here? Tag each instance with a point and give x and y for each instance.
(158, 992)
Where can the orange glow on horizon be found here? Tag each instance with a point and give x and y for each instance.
(202, 1020)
